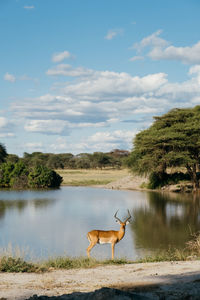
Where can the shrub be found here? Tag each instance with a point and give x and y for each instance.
(157, 180)
(12, 264)
(19, 176)
(42, 177)
(5, 174)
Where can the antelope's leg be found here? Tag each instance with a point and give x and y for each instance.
(91, 245)
(113, 250)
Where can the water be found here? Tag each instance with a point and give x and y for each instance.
(55, 222)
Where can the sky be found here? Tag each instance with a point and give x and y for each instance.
(82, 76)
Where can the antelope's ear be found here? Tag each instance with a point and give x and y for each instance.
(127, 222)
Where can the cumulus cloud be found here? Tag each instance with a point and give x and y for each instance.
(58, 57)
(54, 127)
(106, 141)
(112, 33)
(6, 128)
(161, 49)
(103, 99)
(188, 55)
(9, 77)
(106, 84)
(100, 99)
(100, 141)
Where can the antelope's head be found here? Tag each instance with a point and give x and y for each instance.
(124, 223)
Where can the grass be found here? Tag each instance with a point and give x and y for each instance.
(89, 177)
(11, 263)
(17, 264)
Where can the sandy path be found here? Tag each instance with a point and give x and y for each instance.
(175, 277)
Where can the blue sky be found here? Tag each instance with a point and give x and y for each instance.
(87, 75)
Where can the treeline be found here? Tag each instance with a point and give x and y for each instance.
(114, 159)
(172, 141)
(16, 173)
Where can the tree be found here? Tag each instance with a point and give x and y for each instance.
(43, 177)
(3, 153)
(101, 160)
(172, 140)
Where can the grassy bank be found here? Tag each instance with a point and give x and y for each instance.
(17, 264)
(88, 177)
(12, 263)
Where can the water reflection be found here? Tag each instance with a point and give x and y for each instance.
(56, 222)
(19, 205)
(168, 221)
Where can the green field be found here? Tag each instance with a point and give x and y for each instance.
(90, 177)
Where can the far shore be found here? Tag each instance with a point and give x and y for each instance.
(117, 179)
(105, 178)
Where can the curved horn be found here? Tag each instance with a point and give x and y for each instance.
(129, 216)
(115, 216)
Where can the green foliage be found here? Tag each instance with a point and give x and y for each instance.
(12, 264)
(113, 159)
(42, 177)
(157, 180)
(19, 176)
(12, 158)
(5, 174)
(172, 140)
(3, 153)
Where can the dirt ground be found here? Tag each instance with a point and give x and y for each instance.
(165, 280)
(129, 182)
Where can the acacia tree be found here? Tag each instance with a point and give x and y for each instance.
(172, 140)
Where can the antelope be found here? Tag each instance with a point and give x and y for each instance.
(108, 237)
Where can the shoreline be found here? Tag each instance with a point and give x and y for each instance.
(173, 280)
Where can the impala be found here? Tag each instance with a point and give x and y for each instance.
(110, 236)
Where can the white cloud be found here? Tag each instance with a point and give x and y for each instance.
(29, 7)
(152, 40)
(100, 141)
(103, 99)
(137, 57)
(60, 145)
(68, 70)
(9, 77)
(58, 57)
(55, 127)
(188, 55)
(106, 141)
(32, 147)
(161, 49)
(12, 78)
(113, 85)
(6, 128)
(194, 70)
(113, 33)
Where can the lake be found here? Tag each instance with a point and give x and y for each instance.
(55, 222)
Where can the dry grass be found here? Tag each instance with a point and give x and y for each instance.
(90, 177)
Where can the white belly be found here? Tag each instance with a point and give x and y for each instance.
(104, 242)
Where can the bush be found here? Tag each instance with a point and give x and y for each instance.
(157, 180)
(19, 176)
(5, 174)
(42, 177)
(12, 264)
